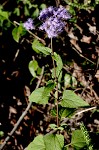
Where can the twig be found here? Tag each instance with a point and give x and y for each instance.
(5, 3)
(22, 116)
(83, 56)
(87, 85)
(85, 110)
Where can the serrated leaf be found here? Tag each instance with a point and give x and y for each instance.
(71, 100)
(36, 96)
(33, 65)
(49, 87)
(37, 144)
(78, 140)
(41, 95)
(54, 142)
(40, 48)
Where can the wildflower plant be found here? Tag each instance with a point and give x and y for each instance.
(53, 21)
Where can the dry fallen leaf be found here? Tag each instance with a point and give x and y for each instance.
(74, 43)
(86, 39)
(12, 111)
(72, 36)
(77, 73)
(92, 29)
(26, 91)
(97, 74)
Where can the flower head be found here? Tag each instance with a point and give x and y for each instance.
(53, 26)
(46, 13)
(28, 25)
(62, 13)
(53, 20)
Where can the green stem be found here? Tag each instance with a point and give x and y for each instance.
(56, 81)
(68, 145)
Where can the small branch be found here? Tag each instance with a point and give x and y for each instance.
(83, 56)
(22, 116)
(85, 110)
(41, 40)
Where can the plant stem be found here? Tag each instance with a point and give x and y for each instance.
(56, 81)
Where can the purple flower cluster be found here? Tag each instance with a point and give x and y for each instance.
(53, 19)
(62, 13)
(53, 26)
(46, 13)
(28, 25)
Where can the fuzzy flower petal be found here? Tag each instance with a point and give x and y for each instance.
(53, 19)
(62, 13)
(46, 13)
(53, 27)
(28, 25)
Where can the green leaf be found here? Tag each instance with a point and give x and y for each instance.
(33, 65)
(36, 96)
(67, 112)
(59, 63)
(54, 142)
(43, 6)
(71, 100)
(37, 144)
(4, 14)
(40, 48)
(17, 11)
(78, 140)
(35, 13)
(26, 11)
(49, 87)
(53, 126)
(17, 32)
(41, 95)
(74, 82)
(1, 134)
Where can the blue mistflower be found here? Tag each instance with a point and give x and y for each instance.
(53, 20)
(28, 25)
(46, 13)
(62, 13)
(53, 26)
